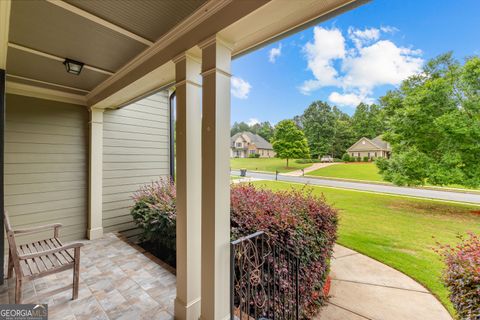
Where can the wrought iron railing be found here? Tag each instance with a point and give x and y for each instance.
(264, 280)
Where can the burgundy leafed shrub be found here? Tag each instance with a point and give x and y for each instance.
(462, 276)
(297, 218)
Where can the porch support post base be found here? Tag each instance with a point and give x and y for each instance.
(95, 233)
(183, 311)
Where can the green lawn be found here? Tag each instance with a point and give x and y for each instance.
(398, 231)
(266, 164)
(356, 171)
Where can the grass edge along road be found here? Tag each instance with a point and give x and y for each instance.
(398, 231)
(267, 164)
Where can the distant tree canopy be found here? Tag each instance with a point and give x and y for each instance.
(289, 141)
(330, 131)
(263, 129)
(368, 121)
(434, 125)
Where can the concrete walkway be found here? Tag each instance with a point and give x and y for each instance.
(313, 167)
(363, 288)
(365, 186)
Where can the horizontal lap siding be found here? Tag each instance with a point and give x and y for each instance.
(46, 165)
(136, 143)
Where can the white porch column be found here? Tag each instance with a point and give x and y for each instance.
(216, 57)
(188, 181)
(95, 218)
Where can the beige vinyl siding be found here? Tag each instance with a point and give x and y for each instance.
(135, 152)
(46, 164)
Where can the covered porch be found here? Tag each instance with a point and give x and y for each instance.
(86, 98)
(118, 280)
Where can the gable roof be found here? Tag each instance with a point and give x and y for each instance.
(255, 139)
(376, 143)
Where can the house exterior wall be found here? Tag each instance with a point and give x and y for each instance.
(46, 165)
(136, 143)
(370, 154)
(266, 153)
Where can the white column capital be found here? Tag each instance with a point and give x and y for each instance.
(216, 40)
(96, 115)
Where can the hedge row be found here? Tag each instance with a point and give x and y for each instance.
(301, 221)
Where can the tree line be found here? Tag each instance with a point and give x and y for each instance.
(328, 130)
(432, 122)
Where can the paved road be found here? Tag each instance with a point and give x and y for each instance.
(414, 192)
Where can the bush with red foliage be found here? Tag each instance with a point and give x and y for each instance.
(462, 276)
(297, 218)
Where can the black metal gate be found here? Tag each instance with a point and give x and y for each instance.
(264, 280)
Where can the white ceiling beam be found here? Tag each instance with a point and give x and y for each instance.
(44, 93)
(100, 21)
(4, 26)
(47, 83)
(56, 58)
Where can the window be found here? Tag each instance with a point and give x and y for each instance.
(252, 151)
(375, 154)
(238, 144)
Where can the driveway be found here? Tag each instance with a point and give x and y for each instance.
(364, 186)
(313, 167)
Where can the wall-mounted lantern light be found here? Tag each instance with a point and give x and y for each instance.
(73, 67)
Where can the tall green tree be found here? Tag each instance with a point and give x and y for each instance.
(434, 125)
(344, 135)
(289, 142)
(318, 122)
(368, 121)
(265, 130)
(239, 127)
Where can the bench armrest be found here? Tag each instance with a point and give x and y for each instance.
(64, 247)
(54, 226)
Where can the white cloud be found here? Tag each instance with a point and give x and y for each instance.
(388, 29)
(348, 99)
(253, 121)
(382, 63)
(357, 70)
(361, 37)
(240, 88)
(327, 45)
(274, 53)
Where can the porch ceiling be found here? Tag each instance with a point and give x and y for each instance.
(127, 46)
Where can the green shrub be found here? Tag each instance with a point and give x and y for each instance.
(154, 212)
(358, 159)
(254, 155)
(346, 157)
(366, 159)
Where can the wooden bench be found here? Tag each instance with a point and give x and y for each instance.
(40, 258)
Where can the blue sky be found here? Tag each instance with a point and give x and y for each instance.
(353, 57)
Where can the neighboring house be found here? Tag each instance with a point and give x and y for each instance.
(371, 148)
(246, 143)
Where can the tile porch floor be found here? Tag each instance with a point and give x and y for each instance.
(117, 281)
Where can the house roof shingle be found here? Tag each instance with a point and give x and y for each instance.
(259, 142)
